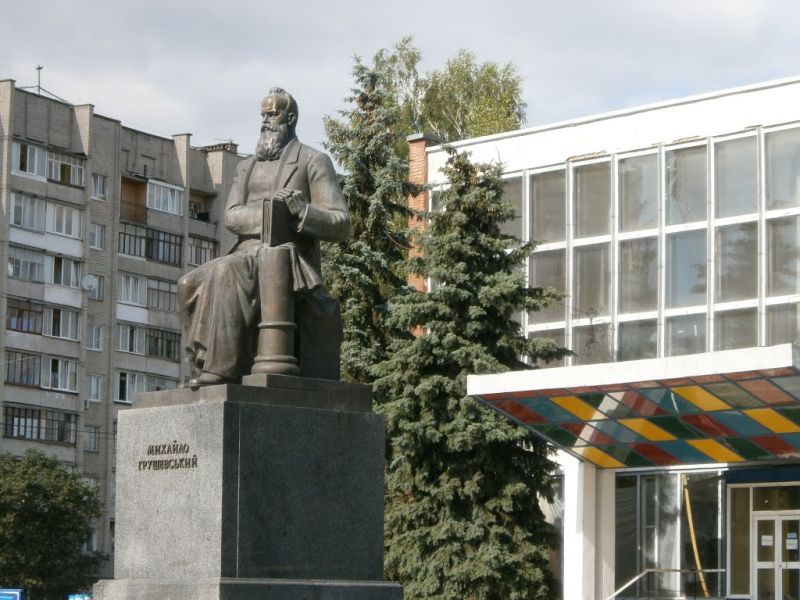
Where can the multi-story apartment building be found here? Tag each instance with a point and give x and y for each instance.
(97, 223)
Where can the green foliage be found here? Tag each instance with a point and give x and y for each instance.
(46, 514)
(462, 514)
(364, 272)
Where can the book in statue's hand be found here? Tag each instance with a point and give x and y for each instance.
(278, 223)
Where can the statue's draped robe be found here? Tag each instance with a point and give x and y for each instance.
(220, 299)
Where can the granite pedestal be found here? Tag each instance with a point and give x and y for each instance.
(272, 490)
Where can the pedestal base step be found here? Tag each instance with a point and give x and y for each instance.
(245, 589)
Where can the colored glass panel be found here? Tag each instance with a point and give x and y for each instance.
(701, 379)
(551, 412)
(588, 433)
(638, 403)
(767, 392)
(578, 407)
(618, 432)
(626, 455)
(733, 395)
(600, 458)
(684, 452)
(613, 408)
(747, 449)
(780, 372)
(779, 447)
(557, 435)
(790, 384)
(592, 399)
(715, 450)
(656, 454)
(647, 430)
(742, 424)
(741, 375)
(793, 414)
(701, 398)
(676, 427)
(772, 420)
(707, 425)
(792, 438)
(519, 412)
(670, 401)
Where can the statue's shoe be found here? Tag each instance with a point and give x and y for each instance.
(205, 379)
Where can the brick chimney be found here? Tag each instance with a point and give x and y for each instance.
(418, 143)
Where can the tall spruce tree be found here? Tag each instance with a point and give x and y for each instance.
(463, 484)
(365, 272)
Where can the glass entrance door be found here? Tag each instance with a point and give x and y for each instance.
(777, 558)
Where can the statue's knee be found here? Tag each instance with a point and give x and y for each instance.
(184, 286)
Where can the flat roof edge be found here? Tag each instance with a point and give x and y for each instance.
(651, 369)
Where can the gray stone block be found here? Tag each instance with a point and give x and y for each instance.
(239, 483)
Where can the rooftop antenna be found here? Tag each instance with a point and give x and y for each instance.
(40, 89)
(39, 78)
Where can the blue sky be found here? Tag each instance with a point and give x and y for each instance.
(173, 66)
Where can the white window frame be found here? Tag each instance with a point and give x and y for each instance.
(97, 236)
(65, 372)
(165, 197)
(130, 383)
(27, 264)
(96, 387)
(55, 163)
(65, 220)
(68, 322)
(131, 339)
(99, 186)
(92, 439)
(98, 291)
(94, 336)
(35, 160)
(131, 289)
(31, 210)
(70, 271)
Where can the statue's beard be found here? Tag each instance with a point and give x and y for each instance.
(272, 142)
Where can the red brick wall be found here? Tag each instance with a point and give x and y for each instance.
(418, 173)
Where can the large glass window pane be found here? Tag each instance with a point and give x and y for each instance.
(783, 168)
(659, 507)
(686, 268)
(591, 344)
(638, 193)
(637, 339)
(782, 324)
(740, 541)
(592, 281)
(626, 544)
(735, 329)
(686, 185)
(512, 192)
(737, 262)
(638, 270)
(685, 335)
(783, 497)
(548, 207)
(548, 269)
(592, 199)
(783, 257)
(702, 495)
(736, 180)
(558, 336)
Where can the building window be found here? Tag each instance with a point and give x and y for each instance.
(97, 236)
(592, 344)
(162, 343)
(512, 193)
(27, 158)
(96, 387)
(548, 269)
(782, 150)
(592, 280)
(128, 385)
(735, 329)
(686, 185)
(548, 207)
(154, 383)
(132, 240)
(162, 295)
(638, 193)
(638, 275)
(64, 220)
(592, 199)
(99, 186)
(27, 211)
(131, 338)
(737, 262)
(685, 335)
(736, 181)
(26, 264)
(637, 339)
(24, 315)
(60, 374)
(98, 291)
(63, 271)
(201, 250)
(164, 247)
(40, 424)
(783, 259)
(93, 438)
(64, 168)
(164, 198)
(95, 335)
(61, 322)
(132, 289)
(23, 368)
(686, 269)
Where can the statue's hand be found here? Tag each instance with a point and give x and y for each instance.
(295, 201)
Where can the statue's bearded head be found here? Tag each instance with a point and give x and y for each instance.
(278, 121)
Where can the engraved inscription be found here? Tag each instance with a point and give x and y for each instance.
(169, 457)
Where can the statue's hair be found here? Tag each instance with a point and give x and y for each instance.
(291, 103)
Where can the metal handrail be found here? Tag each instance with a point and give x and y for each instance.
(648, 571)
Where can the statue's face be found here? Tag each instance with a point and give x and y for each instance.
(275, 114)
